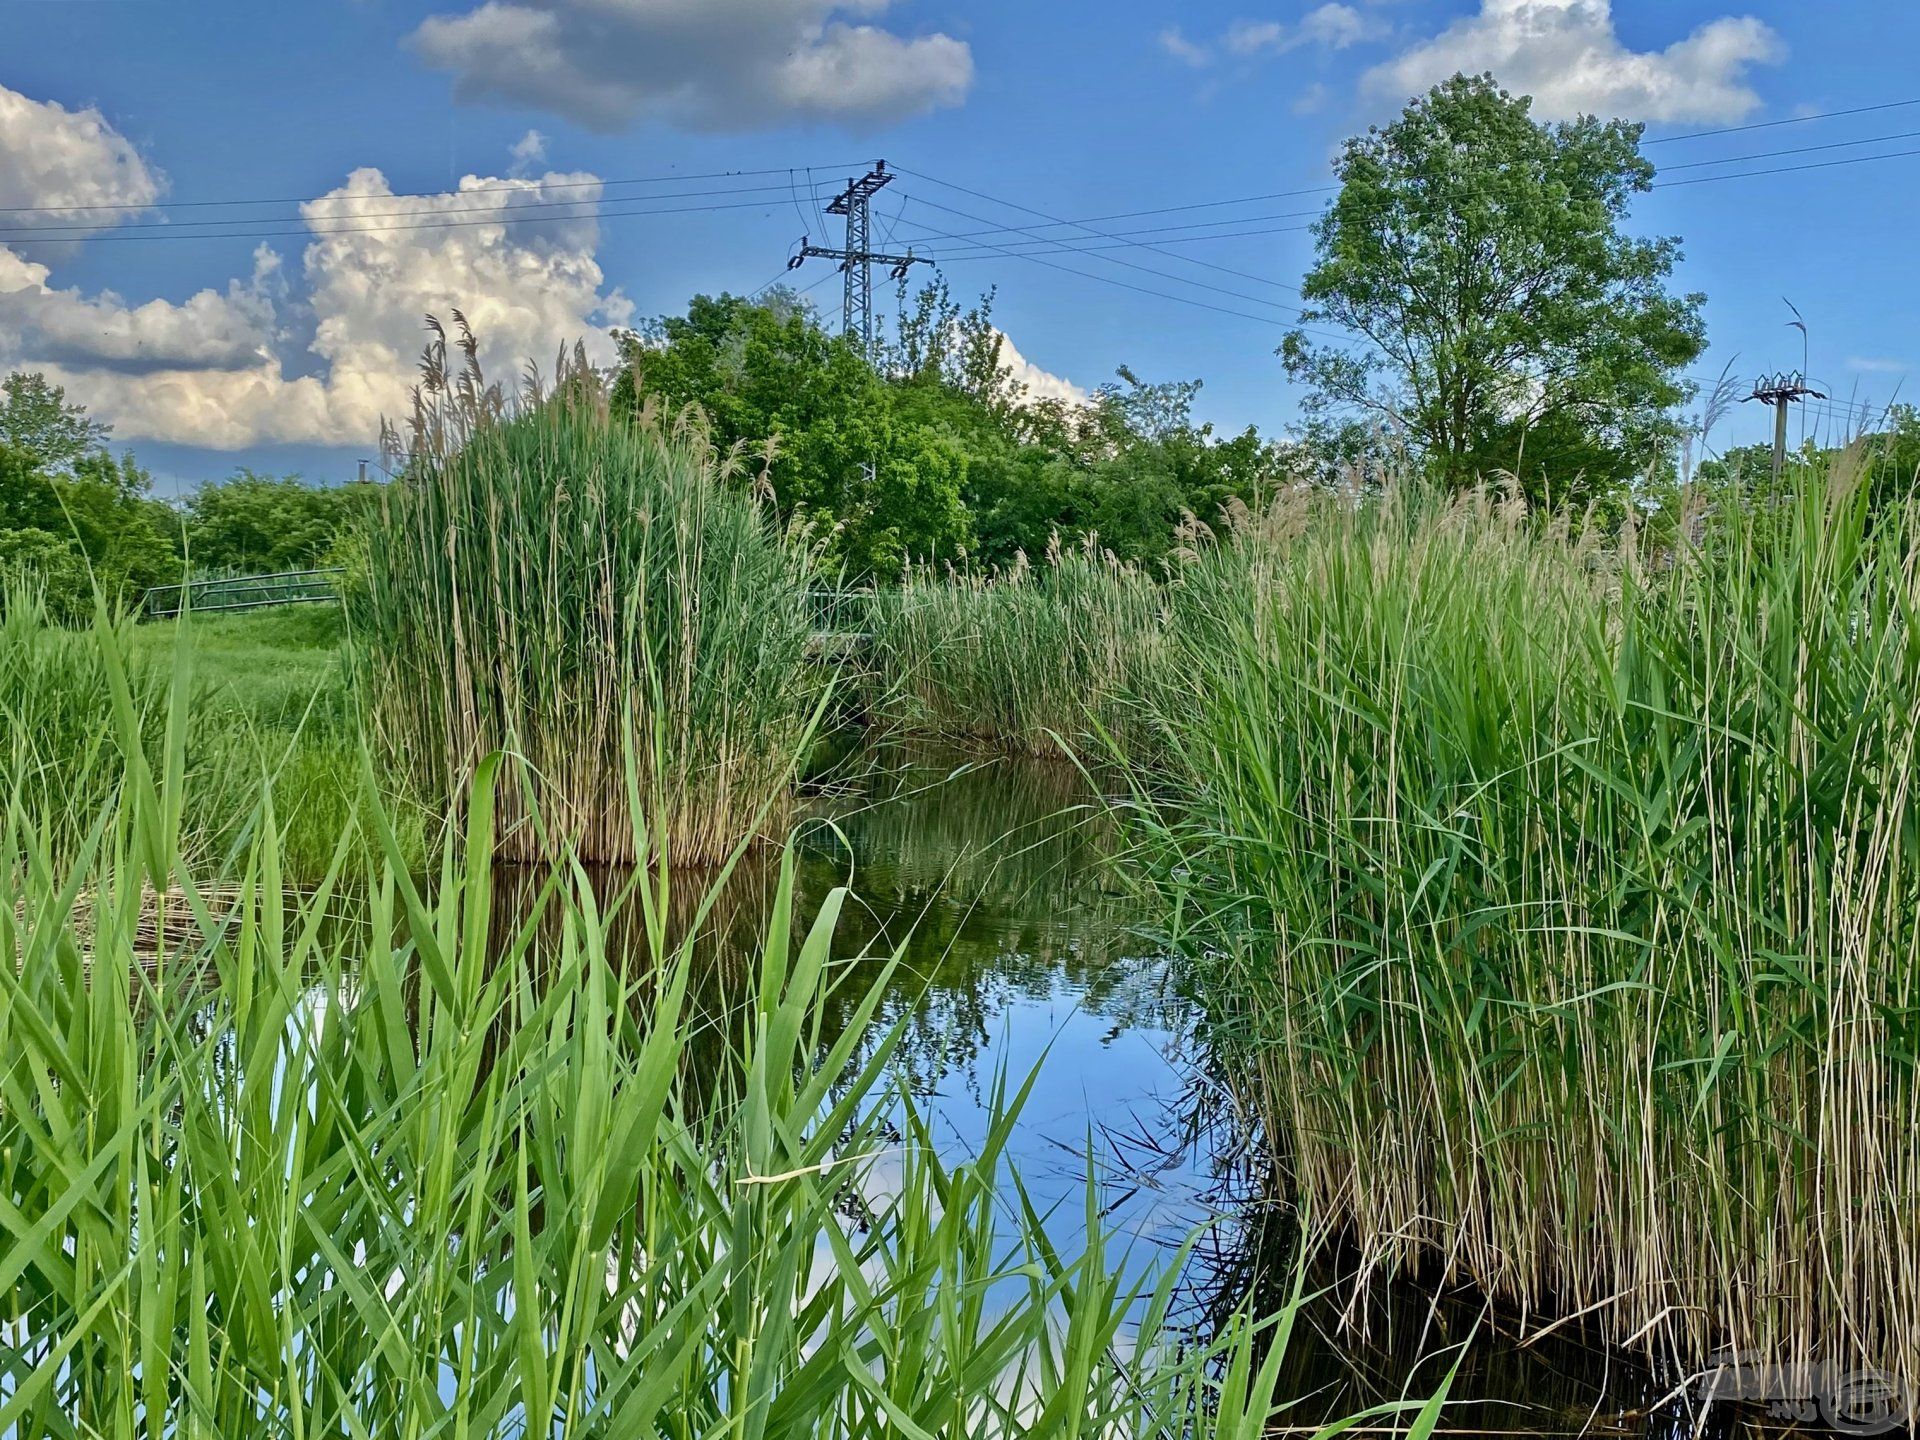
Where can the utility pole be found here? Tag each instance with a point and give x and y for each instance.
(856, 259)
(1780, 391)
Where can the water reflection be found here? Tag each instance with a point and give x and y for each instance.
(1019, 951)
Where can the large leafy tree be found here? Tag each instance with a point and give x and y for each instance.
(72, 515)
(1503, 320)
(36, 417)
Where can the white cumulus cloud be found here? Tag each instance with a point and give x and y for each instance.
(71, 163)
(1040, 384)
(722, 65)
(223, 369)
(1568, 56)
(227, 329)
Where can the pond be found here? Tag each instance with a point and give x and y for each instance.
(1020, 951)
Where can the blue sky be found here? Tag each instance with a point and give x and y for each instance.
(214, 336)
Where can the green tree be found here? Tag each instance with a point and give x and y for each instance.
(253, 523)
(36, 418)
(878, 485)
(1502, 319)
(96, 524)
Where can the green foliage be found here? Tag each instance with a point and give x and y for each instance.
(72, 516)
(1580, 893)
(269, 712)
(565, 583)
(1503, 322)
(36, 417)
(252, 524)
(374, 1159)
(940, 455)
(52, 570)
(876, 486)
(61, 749)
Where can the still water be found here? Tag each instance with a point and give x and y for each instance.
(1021, 952)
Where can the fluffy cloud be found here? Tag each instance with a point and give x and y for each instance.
(1566, 54)
(1041, 384)
(71, 161)
(1331, 26)
(708, 64)
(223, 368)
(212, 330)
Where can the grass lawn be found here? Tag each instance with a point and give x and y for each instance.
(271, 696)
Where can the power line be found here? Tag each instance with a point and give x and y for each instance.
(412, 194)
(309, 233)
(1787, 169)
(1128, 285)
(186, 225)
(1042, 247)
(590, 208)
(1110, 259)
(1107, 235)
(1790, 120)
(1802, 150)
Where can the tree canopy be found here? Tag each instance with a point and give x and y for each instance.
(936, 453)
(1502, 319)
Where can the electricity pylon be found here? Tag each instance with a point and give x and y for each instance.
(856, 259)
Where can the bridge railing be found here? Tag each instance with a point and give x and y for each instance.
(244, 592)
(839, 610)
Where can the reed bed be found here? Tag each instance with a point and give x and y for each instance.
(446, 1172)
(1561, 906)
(1031, 660)
(570, 585)
(60, 749)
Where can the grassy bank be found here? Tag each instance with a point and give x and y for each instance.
(1560, 907)
(269, 705)
(369, 1159)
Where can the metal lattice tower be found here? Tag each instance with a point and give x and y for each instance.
(856, 259)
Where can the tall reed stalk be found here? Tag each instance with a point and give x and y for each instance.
(1564, 907)
(1025, 660)
(431, 1173)
(568, 584)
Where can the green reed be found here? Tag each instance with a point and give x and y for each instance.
(565, 582)
(1027, 660)
(59, 748)
(1561, 906)
(376, 1159)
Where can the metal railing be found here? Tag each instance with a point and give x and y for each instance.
(244, 592)
(840, 611)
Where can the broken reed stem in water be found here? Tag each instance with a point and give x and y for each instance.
(1562, 907)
